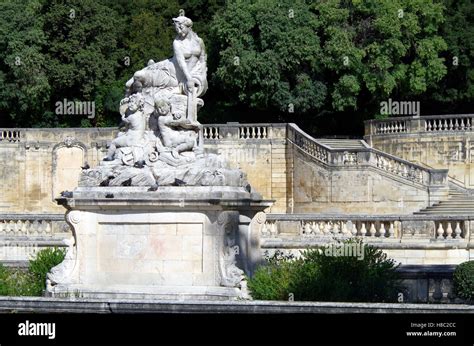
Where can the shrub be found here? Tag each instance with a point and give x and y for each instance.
(42, 264)
(4, 277)
(463, 280)
(322, 276)
(271, 281)
(15, 282)
(31, 282)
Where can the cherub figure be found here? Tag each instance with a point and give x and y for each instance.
(177, 135)
(132, 111)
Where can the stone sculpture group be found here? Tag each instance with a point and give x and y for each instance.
(190, 227)
(160, 142)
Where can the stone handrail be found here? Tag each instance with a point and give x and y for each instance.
(31, 225)
(431, 123)
(366, 156)
(375, 227)
(308, 144)
(10, 135)
(238, 131)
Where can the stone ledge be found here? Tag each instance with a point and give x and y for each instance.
(104, 306)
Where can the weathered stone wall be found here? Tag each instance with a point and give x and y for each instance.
(356, 190)
(438, 142)
(37, 164)
(41, 163)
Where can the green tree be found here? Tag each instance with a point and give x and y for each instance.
(83, 52)
(327, 57)
(455, 92)
(24, 85)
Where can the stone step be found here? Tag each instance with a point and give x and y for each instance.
(457, 203)
(335, 143)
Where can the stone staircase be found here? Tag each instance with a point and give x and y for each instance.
(336, 143)
(459, 202)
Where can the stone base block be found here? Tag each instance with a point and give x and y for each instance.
(176, 243)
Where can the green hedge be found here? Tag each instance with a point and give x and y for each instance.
(463, 280)
(322, 276)
(31, 282)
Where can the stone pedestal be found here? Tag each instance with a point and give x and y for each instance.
(173, 243)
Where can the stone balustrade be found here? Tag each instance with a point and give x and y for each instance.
(366, 156)
(23, 235)
(18, 225)
(10, 135)
(239, 131)
(397, 126)
(437, 141)
(378, 228)
(432, 123)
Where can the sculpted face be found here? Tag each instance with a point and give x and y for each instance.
(163, 107)
(181, 29)
(133, 104)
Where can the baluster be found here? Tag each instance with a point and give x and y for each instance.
(274, 229)
(449, 231)
(325, 227)
(306, 229)
(19, 227)
(314, 228)
(382, 230)
(242, 132)
(363, 230)
(457, 231)
(204, 132)
(462, 124)
(391, 231)
(445, 125)
(253, 132)
(456, 124)
(27, 225)
(259, 135)
(12, 227)
(405, 171)
(264, 133)
(435, 125)
(450, 124)
(354, 228)
(440, 231)
(343, 228)
(47, 227)
(372, 230)
(428, 125)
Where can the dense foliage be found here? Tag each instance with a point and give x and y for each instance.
(319, 276)
(31, 282)
(463, 280)
(310, 62)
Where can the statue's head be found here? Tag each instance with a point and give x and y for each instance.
(182, 25)
(163, 106)
(136, 102)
